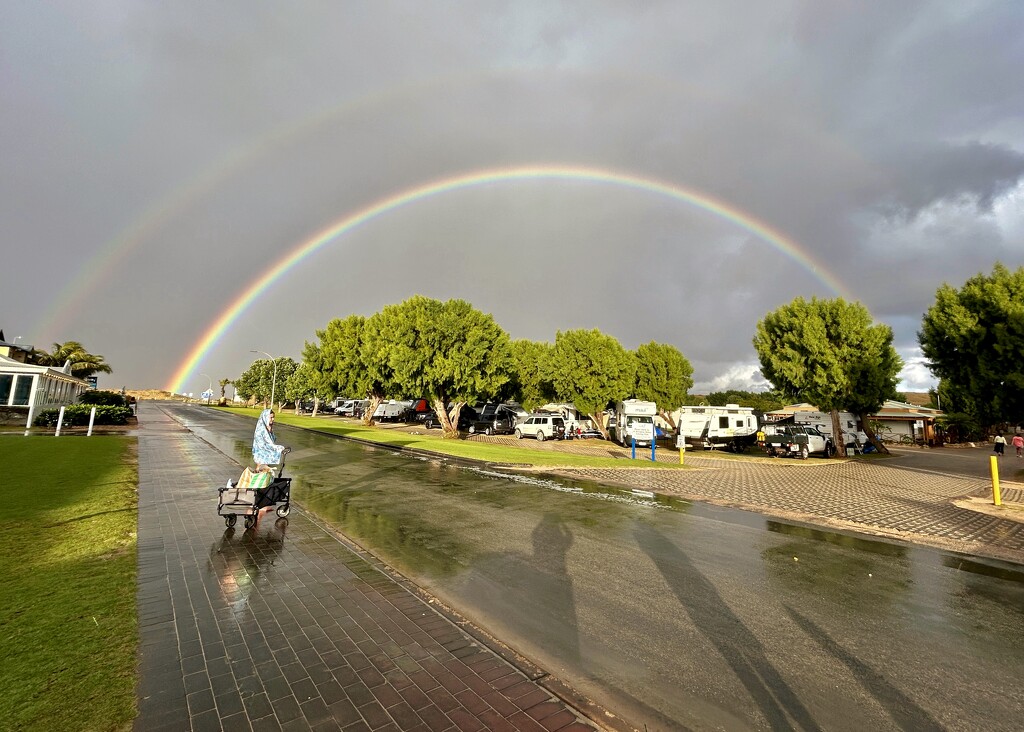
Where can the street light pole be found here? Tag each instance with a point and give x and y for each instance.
(273, 383)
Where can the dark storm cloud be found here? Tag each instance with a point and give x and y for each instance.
(210, 139)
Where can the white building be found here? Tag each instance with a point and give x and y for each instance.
(27, 388)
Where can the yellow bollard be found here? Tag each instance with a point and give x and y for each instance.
(682, 451)
(997, 498)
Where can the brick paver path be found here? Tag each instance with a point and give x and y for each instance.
(287, 627)
(871, 497)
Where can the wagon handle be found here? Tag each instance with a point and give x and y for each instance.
(280, 466)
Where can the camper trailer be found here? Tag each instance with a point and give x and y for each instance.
(634, 420)
(732, 426)
(853, 438)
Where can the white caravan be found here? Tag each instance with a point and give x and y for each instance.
(634, 420)
(731, 426)
(569, 414)
(853, 437)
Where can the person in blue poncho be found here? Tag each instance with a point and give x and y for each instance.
(265, 451)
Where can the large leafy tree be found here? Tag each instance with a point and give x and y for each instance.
(764, 401)
(83, 363)
(831, 354)
(960, 418)
(591, 370)
(448, 352)
(303, 384)
(872, 377)
(663, 376)
(530, 382)
(260, 381)
(352, 360)
(973, 339)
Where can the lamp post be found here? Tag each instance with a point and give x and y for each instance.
(273, 383)
(210, 389)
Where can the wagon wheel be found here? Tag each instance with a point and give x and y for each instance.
(284, 510)
(229, 521)
(250, 521)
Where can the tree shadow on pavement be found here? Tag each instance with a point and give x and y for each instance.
(904, 712)
(738, 645)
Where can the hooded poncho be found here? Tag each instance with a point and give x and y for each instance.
(264, 451)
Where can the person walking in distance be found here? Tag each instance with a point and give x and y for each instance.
(1000, 445)
(1018, 444)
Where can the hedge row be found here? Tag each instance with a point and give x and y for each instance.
(107, 398)
(78, 415)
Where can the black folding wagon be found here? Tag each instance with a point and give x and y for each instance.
(247, 501)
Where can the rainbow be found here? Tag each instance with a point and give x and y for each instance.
(468, 180)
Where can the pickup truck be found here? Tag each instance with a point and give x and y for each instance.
(798, 441)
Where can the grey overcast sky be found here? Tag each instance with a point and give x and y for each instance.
(158, 159)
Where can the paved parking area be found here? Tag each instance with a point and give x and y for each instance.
(286, 627)
(899, 497)
(873, 497)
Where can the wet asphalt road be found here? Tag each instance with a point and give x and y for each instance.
(680, 615)
(967, 462)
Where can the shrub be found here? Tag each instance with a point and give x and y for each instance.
(100, 398)
(77, 415)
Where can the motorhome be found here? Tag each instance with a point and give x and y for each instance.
(732, 426)
(634, 421)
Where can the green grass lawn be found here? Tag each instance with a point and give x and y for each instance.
(68, 626)
(432, 441)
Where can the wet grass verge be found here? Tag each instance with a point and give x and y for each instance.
(68, 625)
(433, 442)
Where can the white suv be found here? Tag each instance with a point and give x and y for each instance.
(541, 426)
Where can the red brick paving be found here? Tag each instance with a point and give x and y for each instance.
(286, 628)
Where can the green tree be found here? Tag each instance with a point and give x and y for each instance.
(822, 351)
(663, 376)
(83, 363)
(260, 381)
(530, 382)
(764, 401)
(872, 377)
(302, 385)
(448, 352)
(352, 360)
(224, 383)
(591, 370)
(973, 339)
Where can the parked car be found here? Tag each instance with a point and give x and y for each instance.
(467, 415)
(494, 419)
(798, 441)
(541, 426)
(352, 408)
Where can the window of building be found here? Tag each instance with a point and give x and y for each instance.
(5, 388)
(22, 390)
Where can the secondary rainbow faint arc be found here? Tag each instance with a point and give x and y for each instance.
(483, 177)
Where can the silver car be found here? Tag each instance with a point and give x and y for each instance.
(541, 426)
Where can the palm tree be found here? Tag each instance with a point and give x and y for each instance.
(224, 383)
(83, 363)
